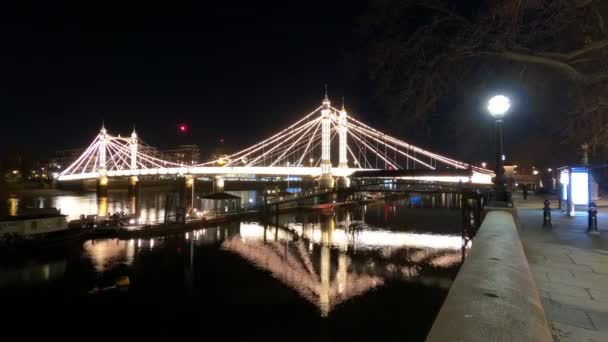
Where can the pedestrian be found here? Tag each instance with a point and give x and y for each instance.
(525, 190)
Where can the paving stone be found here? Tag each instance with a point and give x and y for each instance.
(546, 294)
(588, 259)
(565, 276)
(562, 258)
(563, 266)
(567, 314)
(586, 304)
(601, 268)
(568, 333)
(556, 289)
(592, 278)
(601, 295)
(600, 320)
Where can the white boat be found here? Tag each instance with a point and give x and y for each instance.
(34, 225)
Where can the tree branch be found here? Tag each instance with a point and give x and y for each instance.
(600, 21)
(564, 68)
(598, 45)
(583, 3)
(596, 79)
(444, 11)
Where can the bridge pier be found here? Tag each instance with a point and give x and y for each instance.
(218, 184)
(133, 186)
(102, 186)
(102, 206)
(189, 193)
(326, 182)
(343, 183)
(133, 210)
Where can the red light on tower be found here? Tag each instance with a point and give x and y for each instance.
(183, 128)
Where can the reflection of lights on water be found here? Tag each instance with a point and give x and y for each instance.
(187, 236)
(12, 206)
(477, 178)
(89, 204)
(138, 243)
(151, 243)
(152, 217)
(104, 253)
(446, 260)
(46, 271)
(325, 290)
(364, 238)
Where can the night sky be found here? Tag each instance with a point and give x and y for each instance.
(238, 71)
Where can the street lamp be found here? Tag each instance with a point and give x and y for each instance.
(483, 165)
(498, 106)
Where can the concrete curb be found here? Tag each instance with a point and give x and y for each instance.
(494, 296)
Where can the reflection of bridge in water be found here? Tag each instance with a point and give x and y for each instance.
(328, 263)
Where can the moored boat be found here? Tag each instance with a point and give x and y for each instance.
(36, 226)
(324, 206)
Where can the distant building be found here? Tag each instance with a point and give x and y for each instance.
(64, 158)
(220, 203)
(516, 178)
(184, 154)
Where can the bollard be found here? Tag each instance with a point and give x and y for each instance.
(592, 218)
(547, 214)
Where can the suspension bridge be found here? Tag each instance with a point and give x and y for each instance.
(302, 149)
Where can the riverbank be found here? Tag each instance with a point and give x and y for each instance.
(171, 228)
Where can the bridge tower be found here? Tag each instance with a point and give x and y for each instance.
(343, 182)
(133, 180)
(102, 182)
(326, 181)
(342, 131)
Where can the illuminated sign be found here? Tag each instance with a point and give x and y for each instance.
(564, 179)
(580, 186)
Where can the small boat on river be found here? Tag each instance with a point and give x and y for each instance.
(36, 227)
(324, 207)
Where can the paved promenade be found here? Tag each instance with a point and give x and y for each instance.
(570, 267)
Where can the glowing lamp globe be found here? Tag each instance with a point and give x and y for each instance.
(499, 105)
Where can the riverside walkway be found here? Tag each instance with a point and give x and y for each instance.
(570, 268)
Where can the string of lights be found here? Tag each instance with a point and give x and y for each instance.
(303, 148)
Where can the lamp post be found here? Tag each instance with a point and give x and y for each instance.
(498, 106)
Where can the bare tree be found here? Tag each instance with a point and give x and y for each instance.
(420, 51)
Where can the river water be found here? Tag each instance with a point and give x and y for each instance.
(148, 206)
(376, 271)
